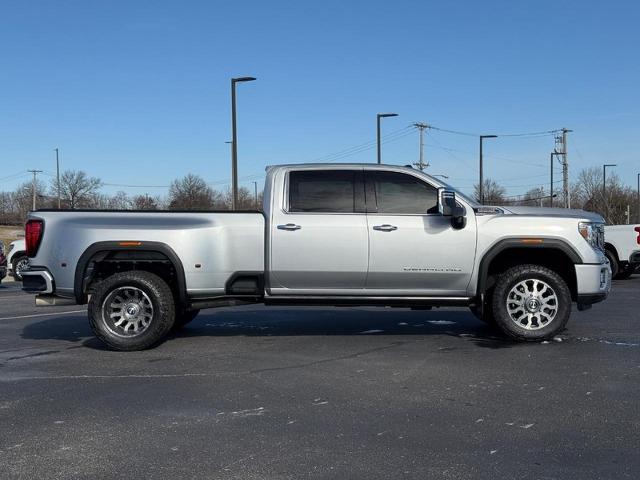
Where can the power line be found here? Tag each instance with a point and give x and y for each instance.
(347, 152)
(526, 134)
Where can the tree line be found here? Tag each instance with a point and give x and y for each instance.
(191, 192)
(586, 193)
(81, 191)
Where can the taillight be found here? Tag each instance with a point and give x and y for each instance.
(637, 229)
(32, 236)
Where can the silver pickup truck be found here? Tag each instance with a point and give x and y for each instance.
(328, 235)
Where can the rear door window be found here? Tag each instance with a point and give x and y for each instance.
(328, 191)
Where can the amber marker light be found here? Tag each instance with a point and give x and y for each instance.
(532, 240)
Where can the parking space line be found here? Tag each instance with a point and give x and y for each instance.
(43, 314)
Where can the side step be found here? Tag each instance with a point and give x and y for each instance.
(53, 300)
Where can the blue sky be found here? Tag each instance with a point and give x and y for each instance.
(137, 92)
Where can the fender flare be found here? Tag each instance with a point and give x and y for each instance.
(513, 243)
(115, 245)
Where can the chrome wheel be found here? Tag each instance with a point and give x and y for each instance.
(20, 266)
(532, 304)
(127, 311)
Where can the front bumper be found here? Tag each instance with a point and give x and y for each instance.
(38, 281)
(593, 282)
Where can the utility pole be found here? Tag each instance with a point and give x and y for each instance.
(561, 149)
(421, 128)
(255, 193)
(33, 185)
(628, 214)
(58, 177)
(541, 195)
(553, 154)
(604, 187)
(481, 186)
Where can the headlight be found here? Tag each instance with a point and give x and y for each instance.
(593, 233)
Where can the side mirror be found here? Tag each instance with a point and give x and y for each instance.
(448, 207)
(446, 202)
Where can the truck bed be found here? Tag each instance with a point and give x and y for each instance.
(211, 246)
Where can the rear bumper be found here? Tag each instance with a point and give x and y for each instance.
(3, 272)
(593, 282)
(634, 258)
(38, 281)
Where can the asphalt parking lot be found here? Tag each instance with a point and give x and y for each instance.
(255, 393)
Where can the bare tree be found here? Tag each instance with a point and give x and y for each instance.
(120, 201)
(23, 198)
(77, 189)
(145, 202)
(587, 193)
(246, 200)
(494, 194)
(190, 193)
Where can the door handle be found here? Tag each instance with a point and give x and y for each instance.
(289, 226)
(385, 228)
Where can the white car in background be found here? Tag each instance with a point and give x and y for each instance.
(622, 247)
(17, 259)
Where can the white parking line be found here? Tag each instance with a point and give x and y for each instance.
(43, 314)
(13, 296)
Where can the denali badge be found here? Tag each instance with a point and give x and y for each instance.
(431, 269)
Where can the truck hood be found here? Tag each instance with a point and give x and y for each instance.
(553, 212)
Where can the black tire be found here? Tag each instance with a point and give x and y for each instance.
(184, 317)
(158, 306)
(613, 263)
(625, 272)
(16, 268)
(538, 330)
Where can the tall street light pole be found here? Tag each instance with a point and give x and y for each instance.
(638, 206)
(604, 185)
(58, 176)
(378, 117)
(481, 190)
(234, 140)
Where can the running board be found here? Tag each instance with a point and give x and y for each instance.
(369, 301)
(53, 300)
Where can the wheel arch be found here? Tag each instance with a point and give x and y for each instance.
(552, 253)
(612, 249)
(15, 256)
(127, 253)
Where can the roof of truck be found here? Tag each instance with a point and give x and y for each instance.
(382, 166)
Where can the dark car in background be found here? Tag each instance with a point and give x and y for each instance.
(3, 262)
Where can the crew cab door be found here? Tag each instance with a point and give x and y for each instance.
(318, 234)
(414, 250)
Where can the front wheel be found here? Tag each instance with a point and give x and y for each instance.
(613, 263)
(132, 310)
(531, 303)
